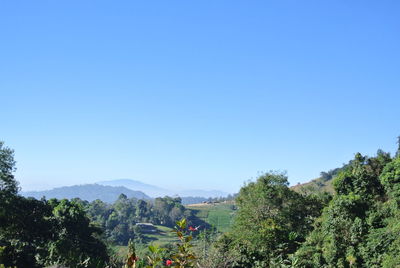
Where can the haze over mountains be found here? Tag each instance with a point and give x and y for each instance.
(151, 190)
(109, 191)
(155, 191)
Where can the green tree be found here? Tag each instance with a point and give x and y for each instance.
(271, 221)
(346, 234)
(23, 229)
(76, 243)
(390, 179)
(8, 184)
(35, 233)
(25, 232)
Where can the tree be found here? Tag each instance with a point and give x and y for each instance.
(36, 233)
(8, 184)
(76, 243)
(271, 221)
(355, 230)
(398, 147)
(25, 230)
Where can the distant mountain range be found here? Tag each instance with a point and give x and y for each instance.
(87, 192)
(109, 191)
(155, 191)
(151, 190)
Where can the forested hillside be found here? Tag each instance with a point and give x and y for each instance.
(356, 227)
(88, 192)
(268, 225)
(121, 221)
(108, 194)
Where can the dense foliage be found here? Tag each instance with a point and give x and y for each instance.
(358, 226)
(271, 222)
(37, 233)
(122, 219)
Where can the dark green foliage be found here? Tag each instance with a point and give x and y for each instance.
(398, 147)
(390, 179)
(25, 231)
(326, 176)
(168, 210)
(120, 220)
(76, 239)
(8, 185)
(360, 226)
(36, 233)
(271, 222)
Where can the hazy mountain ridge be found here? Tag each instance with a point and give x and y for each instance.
(109, 191)
(87, 192)
(155, 191)
(151, 190)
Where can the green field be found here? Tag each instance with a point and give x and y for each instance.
(163, 236)
(219, 215)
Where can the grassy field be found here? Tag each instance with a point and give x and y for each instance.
(219, 215)
(163, 236)
(317, 185)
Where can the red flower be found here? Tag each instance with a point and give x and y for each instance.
(168, 262)
(132, 260)
(192, 229)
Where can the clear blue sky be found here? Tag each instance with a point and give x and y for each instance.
(196, 94)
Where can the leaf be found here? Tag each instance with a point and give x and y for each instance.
(153, 249)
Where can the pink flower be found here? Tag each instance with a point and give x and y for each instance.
(168, 263)
(192, 228)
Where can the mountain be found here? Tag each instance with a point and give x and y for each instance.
(151, 190)
(202, 193)
(155, 191)
(87, 192)
(109, 191)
